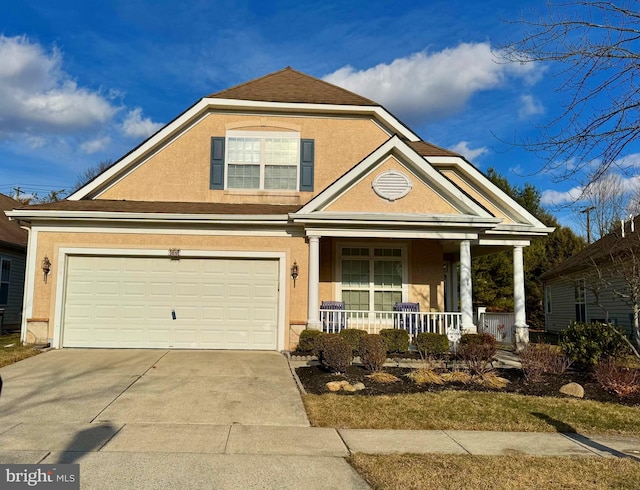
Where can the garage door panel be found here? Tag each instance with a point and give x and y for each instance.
(127, 302)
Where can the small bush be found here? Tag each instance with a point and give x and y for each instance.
(587, 343)
(431, 344)
(540, 359)
(614, 378)
(319, 342)
(307, 340)
(336, 353)
(373, 352)
(477, 351)
(353, 336)
(396, 338)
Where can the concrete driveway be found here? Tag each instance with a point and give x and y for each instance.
(168, 419)
(151, 386)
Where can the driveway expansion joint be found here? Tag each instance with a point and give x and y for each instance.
(454, 440)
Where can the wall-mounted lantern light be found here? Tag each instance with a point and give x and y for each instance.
(294, 272)
(46, 267)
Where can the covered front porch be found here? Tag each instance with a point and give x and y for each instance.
(416, 284)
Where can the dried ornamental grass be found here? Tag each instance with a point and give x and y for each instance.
(491, 380)
(382, 377)
(457, 377)
(425, 376)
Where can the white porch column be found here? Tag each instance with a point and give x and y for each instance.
(521, 329)
(455, 287)
(313, 317)
(466, 290)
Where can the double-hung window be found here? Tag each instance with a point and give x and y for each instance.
(372, 277)
(263, 160)
(5, 276)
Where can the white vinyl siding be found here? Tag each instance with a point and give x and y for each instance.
(143, 302)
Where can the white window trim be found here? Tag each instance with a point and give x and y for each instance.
(338, 266)
(262, 135)
(8, 283)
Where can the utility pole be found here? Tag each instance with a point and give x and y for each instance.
(17, 192)
(587, 211)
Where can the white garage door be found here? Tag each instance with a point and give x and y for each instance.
(160, 303)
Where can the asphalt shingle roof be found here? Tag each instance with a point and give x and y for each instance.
(10, 231)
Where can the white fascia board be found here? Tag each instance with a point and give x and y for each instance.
(384, 233)
(369, 110)
(400, 219)
(171, 129)
(201, 108)
(483, 181)
(340, 186)
(505, 242)
(29, 215)
(518, 228)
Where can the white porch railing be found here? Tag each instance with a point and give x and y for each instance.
(373, 321)
(500, 325)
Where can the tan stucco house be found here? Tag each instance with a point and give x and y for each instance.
(229, 228)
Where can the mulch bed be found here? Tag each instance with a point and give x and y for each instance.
(314, 379)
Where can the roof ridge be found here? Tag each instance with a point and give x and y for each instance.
(251, 81)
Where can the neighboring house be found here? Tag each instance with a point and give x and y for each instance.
(13, 252)
(228, 227)
(592, 285)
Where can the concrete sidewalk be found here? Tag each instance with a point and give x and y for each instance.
(240, 456)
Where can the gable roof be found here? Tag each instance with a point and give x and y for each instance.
(291, 86)
(599, 251)
(10, 232)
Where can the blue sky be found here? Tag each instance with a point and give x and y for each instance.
(84, 82)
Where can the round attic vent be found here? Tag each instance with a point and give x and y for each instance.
(392, 185)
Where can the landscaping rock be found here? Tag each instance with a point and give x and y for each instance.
(359, 386)
(349, 388)
(573, 389)
(334, 385)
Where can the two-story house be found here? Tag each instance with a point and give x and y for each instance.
(229, 227)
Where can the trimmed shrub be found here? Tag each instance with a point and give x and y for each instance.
(319, 342)
(335, 353)
(588, 343)
(477, 350)
(353, 336)
(307, 340)
(397, 339)
(431, 344)
(373, 352)
(614, 378)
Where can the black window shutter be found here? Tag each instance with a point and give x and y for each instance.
(217, 163)
(307, 151)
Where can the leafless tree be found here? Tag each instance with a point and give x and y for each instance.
(90, 173)
(594, 47)
(605, 204)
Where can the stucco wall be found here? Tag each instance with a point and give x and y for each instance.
(49, 244)
(461, 182)
(179, 171)
(421, 198)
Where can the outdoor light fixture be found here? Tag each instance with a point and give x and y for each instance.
(294, 272)
(46, 267)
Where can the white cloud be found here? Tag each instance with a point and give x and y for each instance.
(529, 107)
(552, 197)
(425, 86)
(469, 153)
(96, 145)
(38, 96)
(136, 126)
